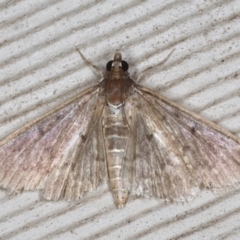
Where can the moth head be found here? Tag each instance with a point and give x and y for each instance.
(117, 62)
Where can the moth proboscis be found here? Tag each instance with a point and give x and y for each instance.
(143, 143)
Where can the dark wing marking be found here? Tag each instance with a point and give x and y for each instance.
(184, 152)
(50, 153)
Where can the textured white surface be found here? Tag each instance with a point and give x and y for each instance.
(40, 68)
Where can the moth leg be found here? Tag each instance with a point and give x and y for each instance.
(90, 64)
(157, 65)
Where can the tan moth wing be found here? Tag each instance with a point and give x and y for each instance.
(58, 153)
(185, 153)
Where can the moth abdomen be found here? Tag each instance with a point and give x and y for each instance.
(116, 134)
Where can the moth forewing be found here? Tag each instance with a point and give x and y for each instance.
(38, 152)
(193, 152)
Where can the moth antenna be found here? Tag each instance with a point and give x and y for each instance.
(159, 64)
(89, 63)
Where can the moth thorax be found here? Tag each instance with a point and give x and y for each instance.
(115, 91)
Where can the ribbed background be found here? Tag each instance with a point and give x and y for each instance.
(40, 68)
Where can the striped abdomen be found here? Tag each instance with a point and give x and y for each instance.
(116, 134)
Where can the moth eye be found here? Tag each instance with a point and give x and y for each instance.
(109, 66)
(124, 66)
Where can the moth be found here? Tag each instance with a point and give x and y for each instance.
(117, 130)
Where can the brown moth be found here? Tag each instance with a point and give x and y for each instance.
(144, 144)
